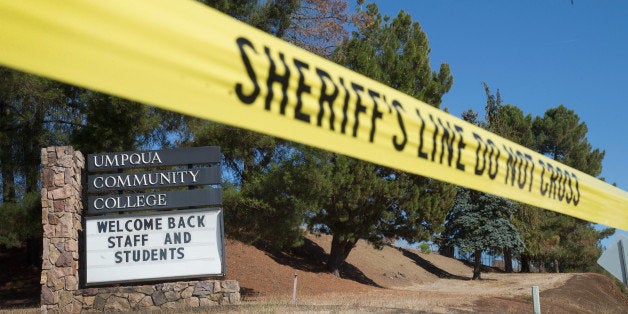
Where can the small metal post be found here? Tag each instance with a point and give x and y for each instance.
(535, 300)
(622, 262)
(294, 290)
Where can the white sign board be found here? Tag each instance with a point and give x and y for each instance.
(170, 244)
(615, 257)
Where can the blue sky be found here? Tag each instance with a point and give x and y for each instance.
(540, 54)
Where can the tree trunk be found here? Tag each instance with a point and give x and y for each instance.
(447, 251)
(34, 250)
(556, 266)
(31, 150)
(340, 249)
(508, 260)
(8, 178)
(477, 266)
(525, 263)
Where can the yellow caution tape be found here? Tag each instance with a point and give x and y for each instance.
(185, 57)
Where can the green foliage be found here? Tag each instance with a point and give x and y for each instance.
(30, 107)
(288, 191)
(395, 53)
(574, 243)
(511, 123)
(37, 113)
(560, 135)
(425, 248)
(20, 221)
(270, 184)
(357, 204)
(481, 221)
(274, 184)
(113, 124)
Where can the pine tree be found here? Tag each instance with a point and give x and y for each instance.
(273, 184)
(372, 202)
(509, 122)
(481, 222)
(570, 242)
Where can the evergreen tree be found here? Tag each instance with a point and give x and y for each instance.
(564, 242)
(272, 183)
(111, 124)
(561, 135)
(509, 122)
(372, 202)
(37, 113)
(571, 243)
(31, 108)
(395, 53)
(481, 222)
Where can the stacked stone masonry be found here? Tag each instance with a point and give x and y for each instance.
(62, 220)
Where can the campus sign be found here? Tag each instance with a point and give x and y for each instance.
(161, 245)
(163, 242)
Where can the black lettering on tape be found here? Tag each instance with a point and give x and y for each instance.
(326, 97)
(399, 108)
(568, 195)
(345, 107)
(302, 88)
(376, 114)
(493, 155)
(359, 107)
(461, 146)
(479, 168)
(511, 166)
(446, 141)
(576, 198)
(247, 98)
(421, 153)
(543, 185)
(282, 79)
(434, 145)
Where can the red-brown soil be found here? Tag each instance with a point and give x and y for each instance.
(405, 279)
(387, 280)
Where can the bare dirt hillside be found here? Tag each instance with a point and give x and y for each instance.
(403, 279)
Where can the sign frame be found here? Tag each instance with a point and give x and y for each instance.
(114, 253)
(208, 176)
(220, 245)
(178, 199)
(149, 158)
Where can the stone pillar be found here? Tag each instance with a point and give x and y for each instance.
(61, 221)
